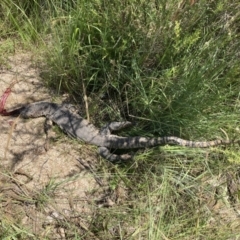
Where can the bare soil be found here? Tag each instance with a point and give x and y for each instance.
(41, 188)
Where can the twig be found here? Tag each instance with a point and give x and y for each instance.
(85, 100)
(9, 136)
(225, 134)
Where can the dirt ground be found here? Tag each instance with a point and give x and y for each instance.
(41, 187)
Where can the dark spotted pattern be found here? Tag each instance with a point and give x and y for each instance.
(118, 142)
(75, 126)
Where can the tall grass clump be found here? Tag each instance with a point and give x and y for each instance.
(173, 64)
(29, 21)
(15, 21)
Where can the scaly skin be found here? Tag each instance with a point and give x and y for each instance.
(74, 125)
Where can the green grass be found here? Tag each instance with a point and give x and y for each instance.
(171, 68)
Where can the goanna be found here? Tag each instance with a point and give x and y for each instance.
(74, 125)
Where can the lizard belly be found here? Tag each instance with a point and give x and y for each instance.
(90, 136)
(77, 127)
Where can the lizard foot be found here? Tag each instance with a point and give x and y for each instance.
(105, 153)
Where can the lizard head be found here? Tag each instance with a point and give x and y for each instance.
(37, 109)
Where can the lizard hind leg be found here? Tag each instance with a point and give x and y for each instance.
(106, 154)
(114, 126)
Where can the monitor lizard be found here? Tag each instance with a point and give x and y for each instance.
(76, 126)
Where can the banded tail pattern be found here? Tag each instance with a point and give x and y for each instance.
(194, 144)
(118, 142)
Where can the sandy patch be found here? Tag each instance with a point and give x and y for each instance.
(44, 187)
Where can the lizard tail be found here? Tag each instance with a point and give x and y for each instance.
(194, 144)
(143, 142)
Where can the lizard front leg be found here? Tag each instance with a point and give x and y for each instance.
(105, 153)
(114, 126)
(106, 130)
